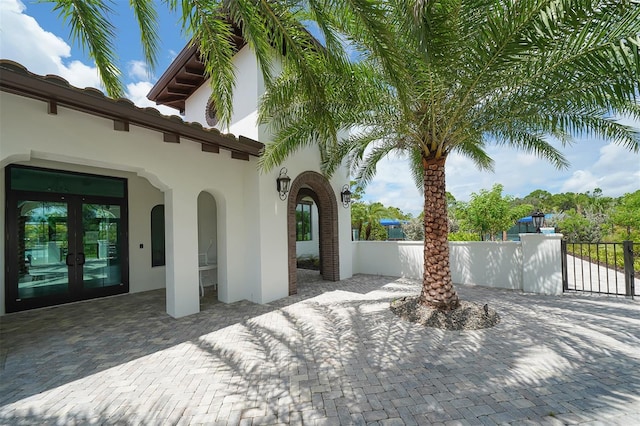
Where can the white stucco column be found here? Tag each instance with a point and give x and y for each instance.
(2, 236)
(181, 239)
(542, 263)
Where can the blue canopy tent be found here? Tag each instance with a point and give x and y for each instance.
(524, 226)
(529, 219)
(394, 228)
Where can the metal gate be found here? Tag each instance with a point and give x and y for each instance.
(604, 268)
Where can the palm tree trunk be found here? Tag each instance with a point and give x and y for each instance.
(437, 288)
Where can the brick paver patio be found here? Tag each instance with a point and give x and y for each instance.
(333, 354)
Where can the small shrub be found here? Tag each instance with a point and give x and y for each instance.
(464, 236)
(308, 262)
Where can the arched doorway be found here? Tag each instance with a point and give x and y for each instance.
(207, 243)
(315, 186)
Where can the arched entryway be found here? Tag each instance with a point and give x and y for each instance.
(207, 244)
(314, 185)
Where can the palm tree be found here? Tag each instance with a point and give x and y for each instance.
(276, 31)
(373, 213)
(474, 72)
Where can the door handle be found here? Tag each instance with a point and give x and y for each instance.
(69, 260)
(80, 259)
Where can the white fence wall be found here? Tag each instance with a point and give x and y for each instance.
(489, 264)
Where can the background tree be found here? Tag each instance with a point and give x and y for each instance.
(578, 227)
(489, 213)
(626, 216)
(472, 72)
(539, 200)
(365, 217)
(454, 213)
(414, 229)
(358, 218)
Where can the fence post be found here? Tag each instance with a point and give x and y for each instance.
(542, 263)
(565, 272)
(627, 248)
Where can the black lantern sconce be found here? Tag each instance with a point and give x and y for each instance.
(538, 220)
(345, 195)
(282, 183)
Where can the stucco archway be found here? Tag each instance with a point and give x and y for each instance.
(207, 241)
(316, 186)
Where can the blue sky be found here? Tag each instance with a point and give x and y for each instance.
(33, 35)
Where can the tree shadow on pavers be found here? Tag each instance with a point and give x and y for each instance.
(348, 356)
(90, 343)
(342, 354)
(157, 413)
(305, 362)
(578, 361)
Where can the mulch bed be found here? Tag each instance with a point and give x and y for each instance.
(468, 316)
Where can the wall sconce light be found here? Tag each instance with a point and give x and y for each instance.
(538, 220)
(345, 195)
(282, 183)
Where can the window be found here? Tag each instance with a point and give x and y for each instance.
(211, 114)
(63, 182)
(157, 236)
(303, 221)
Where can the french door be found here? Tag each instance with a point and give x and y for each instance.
(63, 248)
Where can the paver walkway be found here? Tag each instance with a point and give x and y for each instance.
(333, 354)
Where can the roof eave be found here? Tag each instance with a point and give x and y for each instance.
(14, 78)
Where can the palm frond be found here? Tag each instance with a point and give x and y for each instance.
(147, 18)
(474, 150)
(534, 143)
(91, 28)
(209, 29)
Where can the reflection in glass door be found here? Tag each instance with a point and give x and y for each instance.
(66, 237)
(42, 248)
(101, 231)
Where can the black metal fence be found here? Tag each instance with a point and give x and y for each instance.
(605, 268)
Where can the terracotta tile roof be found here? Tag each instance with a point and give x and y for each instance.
(16, 79)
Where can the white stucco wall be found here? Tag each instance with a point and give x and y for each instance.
(392, 258)
(181, 171)
(487, 263)
(251, 220)
(248, 88)
(265, 229)
(532, 265)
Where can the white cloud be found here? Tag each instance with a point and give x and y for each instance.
(526, 159)
(616, 172)
(139, 70)
(80, 75)
(23, 40)
(393, 185)
(580, 181)
(594, 164)
(137, 93)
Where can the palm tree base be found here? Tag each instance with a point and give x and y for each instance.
(467, 316)
(448, 303)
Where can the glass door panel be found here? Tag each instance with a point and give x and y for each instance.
(42, 248)
(66, 237)
(102, 260)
